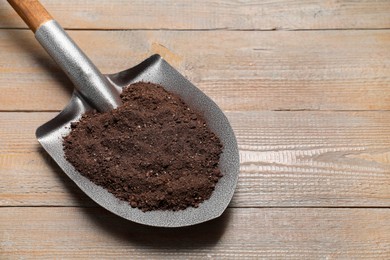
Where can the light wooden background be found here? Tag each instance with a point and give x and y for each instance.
(305, 84)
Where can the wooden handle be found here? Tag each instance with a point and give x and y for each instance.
(32, 12)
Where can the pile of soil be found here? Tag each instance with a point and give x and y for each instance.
(153, 151)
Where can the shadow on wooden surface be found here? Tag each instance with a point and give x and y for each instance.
(40, 59)
(195, 237)
(202, 235)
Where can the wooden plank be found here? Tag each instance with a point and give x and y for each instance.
(206, 14)
(321, 159)
(321, 70)
(251, 233)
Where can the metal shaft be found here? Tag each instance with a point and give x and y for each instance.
(88, 80)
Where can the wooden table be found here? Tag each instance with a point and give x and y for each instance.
(305, 84)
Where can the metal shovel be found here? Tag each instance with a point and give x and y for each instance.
(97, 91)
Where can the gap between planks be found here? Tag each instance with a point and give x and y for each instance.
(226, 111)
(211, 29)
(230, 207)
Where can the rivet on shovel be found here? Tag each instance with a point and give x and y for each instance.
(93, 90)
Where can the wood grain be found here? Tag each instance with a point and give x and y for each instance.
(211, 14)
(322, 70)
(241, 233)
(288, 159)
(305, 85)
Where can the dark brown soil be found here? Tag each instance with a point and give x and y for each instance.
(153, 151)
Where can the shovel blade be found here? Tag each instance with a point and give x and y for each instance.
(158, 71)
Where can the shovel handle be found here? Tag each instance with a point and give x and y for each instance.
(32, 12)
